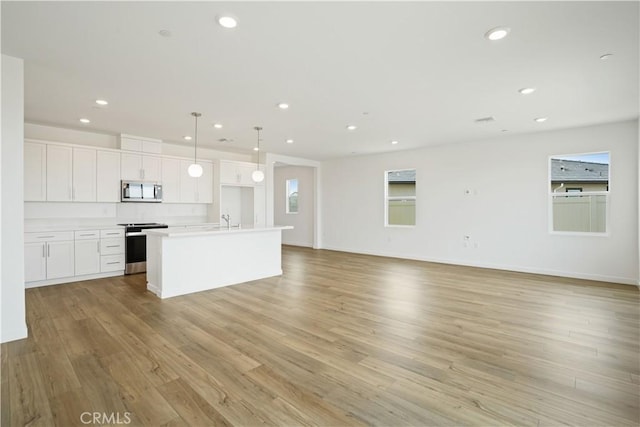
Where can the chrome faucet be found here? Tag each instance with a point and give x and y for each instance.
(227, 218)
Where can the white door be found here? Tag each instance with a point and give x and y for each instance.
(84, 175)
(205, 183)
(35, 261)
(87, 256)
(59, 173)
(151, 168)
(108, 176)
(35, 170)
(131, 167)
(187, 183)
(60, 259)
(170, 180)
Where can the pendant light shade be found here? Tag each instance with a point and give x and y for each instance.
(195, 170)
(258, 175)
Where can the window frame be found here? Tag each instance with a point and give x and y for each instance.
(552, 195)
(287, 207)
(387, 198)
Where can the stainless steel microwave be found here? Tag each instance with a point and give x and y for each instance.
(138, 191)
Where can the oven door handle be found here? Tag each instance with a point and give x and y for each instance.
(135, 233)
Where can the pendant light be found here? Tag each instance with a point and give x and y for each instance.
(195, 170)
(258, 175)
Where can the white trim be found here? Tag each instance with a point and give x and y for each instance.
(71, 279)
(514, 268)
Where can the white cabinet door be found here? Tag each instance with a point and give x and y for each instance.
(151, 168)
(35, 172)
(107, 176)
(245, 171)
(170, 180)
(131, 167)
(59, 173)
(130, 144)
(204, 190)
(35, 261)
(84, 175)
(87, 256)
(229, 173)
(187, 183)
(60, 259)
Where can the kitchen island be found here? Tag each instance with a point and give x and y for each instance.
(182, 261)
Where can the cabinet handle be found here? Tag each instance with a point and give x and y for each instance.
(115, 262)
(70, 193)
(43, 254)
(46, 237)
(98, 244)
(142, 173)
(48, 251)
(112, 234)
(73, 194)
(113, 246)
(89, 234)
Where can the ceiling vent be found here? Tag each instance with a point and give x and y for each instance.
(485, 120)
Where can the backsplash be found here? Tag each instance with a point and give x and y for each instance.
(51, 213)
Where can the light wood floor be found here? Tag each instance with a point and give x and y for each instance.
(339, 339)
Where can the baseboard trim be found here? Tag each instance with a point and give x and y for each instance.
(516, 268)
(72, 279)
(15, 334)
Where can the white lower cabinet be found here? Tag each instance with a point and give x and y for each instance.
(65, 256)
(49, 255)
(87, 248)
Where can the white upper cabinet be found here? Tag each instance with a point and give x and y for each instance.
(205, 183)
(139, 167)
(84, 175)
(170, 180)
(236, 173)
(108, 176)
(35, 172)
(59, 173)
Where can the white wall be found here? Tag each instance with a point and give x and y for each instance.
(302, 222)
(506, 215)
(12, 299)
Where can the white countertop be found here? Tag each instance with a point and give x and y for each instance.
(207, 231)
(68, 227)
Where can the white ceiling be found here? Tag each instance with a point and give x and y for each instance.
(423, 72)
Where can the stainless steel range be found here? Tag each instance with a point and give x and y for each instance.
(136, 246)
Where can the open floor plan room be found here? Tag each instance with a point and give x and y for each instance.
(339, 339)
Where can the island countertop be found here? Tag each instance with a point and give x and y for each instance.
(209, 230)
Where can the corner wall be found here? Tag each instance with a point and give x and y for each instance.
(506, 213)
(12, 299)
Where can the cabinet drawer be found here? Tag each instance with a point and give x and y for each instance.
(112, 233)
(52, 236)
(111, 263)
(111, 246)
(87, 234)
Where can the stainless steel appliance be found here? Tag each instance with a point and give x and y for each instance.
(138, 191)
(136, 246)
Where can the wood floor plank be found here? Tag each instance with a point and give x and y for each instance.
(339, 339)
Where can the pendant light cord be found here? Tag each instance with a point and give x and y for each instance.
(258, 128)
(195, 145)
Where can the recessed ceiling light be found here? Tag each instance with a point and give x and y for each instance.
(540, 119)
(484, 120)
(289, 141)
(256, 149)
(497, 33)
(85, 121)
(227, 22)
(504, 130)
(283, 105)
(101, 102)
(527, 90)
(165, 33)
(394, 142)
(352, 127)
(217, 125)
(606, 56)
(187, 138)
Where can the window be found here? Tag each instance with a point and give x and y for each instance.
(579, 192)
(292, 196)
(400, 197)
